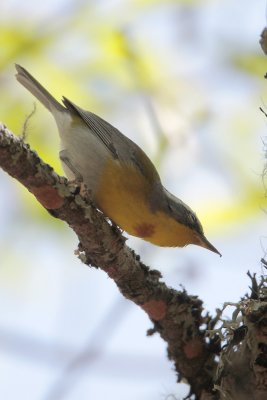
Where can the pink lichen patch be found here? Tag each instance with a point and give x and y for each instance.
(156, 309)
(48, 197)
(112, 272)
(144, 230)
(193, 348)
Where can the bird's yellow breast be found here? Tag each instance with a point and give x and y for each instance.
(123, 194)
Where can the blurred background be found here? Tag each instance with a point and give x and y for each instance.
(184, 80)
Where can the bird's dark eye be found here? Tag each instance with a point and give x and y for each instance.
(193, 218)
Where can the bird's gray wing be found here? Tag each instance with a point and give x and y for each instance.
(121, 147)
(104, 131)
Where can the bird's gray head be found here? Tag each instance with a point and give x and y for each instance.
(184, 215)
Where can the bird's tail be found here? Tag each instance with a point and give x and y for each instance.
(30, 83)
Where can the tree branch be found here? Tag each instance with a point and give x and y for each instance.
(176, 316)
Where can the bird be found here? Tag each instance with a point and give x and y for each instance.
(122, 180)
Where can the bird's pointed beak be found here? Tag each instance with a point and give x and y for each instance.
(203, 242)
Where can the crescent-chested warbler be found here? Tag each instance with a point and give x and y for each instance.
(124, 183)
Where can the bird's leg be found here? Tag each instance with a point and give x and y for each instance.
(77, 182)
(63, 155)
